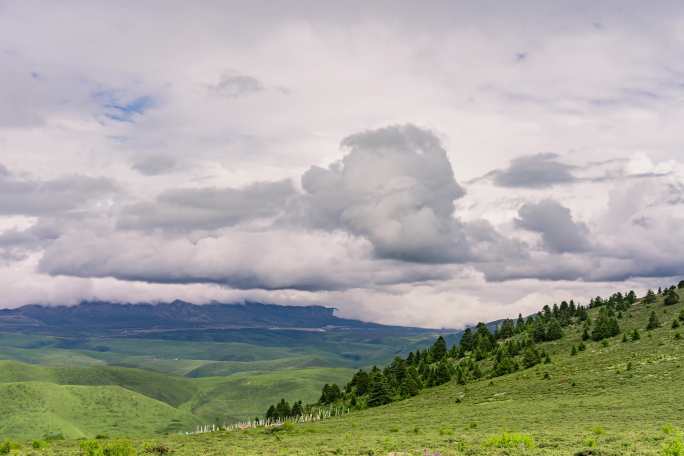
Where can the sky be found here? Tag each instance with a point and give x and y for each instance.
(428, 163)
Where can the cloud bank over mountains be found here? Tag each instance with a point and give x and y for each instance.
(419, 170)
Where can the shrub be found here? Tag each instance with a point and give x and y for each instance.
(119, 448)
(5, 447)
(673, 448)
(511, 440)
(53, 437)
(675, 324)
(157, 448)
(39, 444)
(91, 448)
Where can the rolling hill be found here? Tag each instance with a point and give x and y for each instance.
(196, 364)
(620, 395)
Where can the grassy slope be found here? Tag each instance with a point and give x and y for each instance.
(245, 395)
(201, 400)
(36, 408)
(589, 401)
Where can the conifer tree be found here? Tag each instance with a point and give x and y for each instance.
(530, 357)
(605, 325)
(653, 321)
(439, 349)
(635, 335)
(283, 410)
(650, 297)
(553, 330)
(441, 374)
(538, 331)
(631, 297)
(573, 352)
(297, 409)
(409, 387)
(379, 392)
(503, 363)
(519, 324)
(671, 298)
(467, 340)
(675, 324)
(681, 285)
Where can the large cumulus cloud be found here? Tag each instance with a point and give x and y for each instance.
(394, 187)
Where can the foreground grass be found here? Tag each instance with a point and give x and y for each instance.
(621, 399)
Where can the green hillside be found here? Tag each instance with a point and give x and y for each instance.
(37, 409)
(38, 399)
(618, 396)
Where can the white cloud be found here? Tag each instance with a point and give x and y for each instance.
(199, 120)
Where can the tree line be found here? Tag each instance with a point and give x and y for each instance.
(482, 351)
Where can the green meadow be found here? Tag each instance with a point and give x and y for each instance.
(616, 397)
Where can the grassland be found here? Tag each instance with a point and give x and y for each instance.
(202, 381)
(619, 398)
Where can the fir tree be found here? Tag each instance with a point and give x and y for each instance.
(441, 374)
(409, 387)
(439, 349)
(503, 363)
(467, 340)
(519, 324)
(282, 409)
(538, 331)
(379, 392)
(554, 330)
(605, 325)
(297, 409)
(650, 297)
(653, 322)
(271, 413)
(671, 298)
(530, 357)
(573, 352)
(330, 394)
(585, 334)
(635, 335)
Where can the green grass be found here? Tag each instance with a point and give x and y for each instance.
(196, 400)
(623, 398)
(37, 409)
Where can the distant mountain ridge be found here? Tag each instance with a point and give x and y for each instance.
(130, 318)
